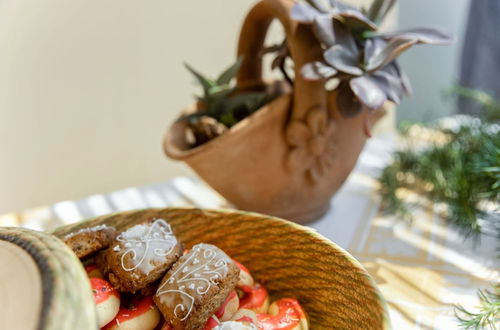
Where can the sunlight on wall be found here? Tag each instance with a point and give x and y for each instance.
(88, 88)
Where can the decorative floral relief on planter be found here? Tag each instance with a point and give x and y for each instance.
(313, 150)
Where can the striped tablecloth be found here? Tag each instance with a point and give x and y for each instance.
(422, 270)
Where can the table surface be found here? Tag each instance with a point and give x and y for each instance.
(422, 269)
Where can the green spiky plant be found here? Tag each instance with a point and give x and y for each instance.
(221, 106)
(462, 172)
(488, 311)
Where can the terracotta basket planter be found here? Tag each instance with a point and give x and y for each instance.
(291, 156)
(53, 292)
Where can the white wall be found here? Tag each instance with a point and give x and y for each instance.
(87, 89)
(432, 69)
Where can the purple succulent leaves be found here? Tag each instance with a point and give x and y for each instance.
(385, 48)
(405, 82)
(353, 18)
(373, 46)
(424, 35)
(365, 63)
(368, 91)
(344, 60)
(390, 84)
(388, 53)
(323, 27)
(344, 37)
(306, 12)
(379, 9)
(321, 5)
(344, 54)
(317, 71)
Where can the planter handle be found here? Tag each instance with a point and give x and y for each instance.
(303, 47)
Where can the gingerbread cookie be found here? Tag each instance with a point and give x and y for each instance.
(140, 256)
(196, 286)
(90, 240)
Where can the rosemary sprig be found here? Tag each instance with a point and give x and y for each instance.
(461, 173)
(488, 314)
(460, 169)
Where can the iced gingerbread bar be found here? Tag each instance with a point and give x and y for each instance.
(140, 256)
(196, 286)
(90, 240)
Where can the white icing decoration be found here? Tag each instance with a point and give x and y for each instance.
(211, 269)
(146, 243)
(87, 230)
(234, 325)
(116, 248)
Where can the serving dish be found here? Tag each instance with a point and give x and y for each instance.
(291, 260)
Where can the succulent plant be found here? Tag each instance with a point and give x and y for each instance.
(220, 105)
(378, 10)
(355, 53)
(358, 55)
(320, 14)
(220, 100)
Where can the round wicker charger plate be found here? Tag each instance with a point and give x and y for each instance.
(289, 259)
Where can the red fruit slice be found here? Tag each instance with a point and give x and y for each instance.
(107, 300)
(255, 298)
(240, 266)
(212, 322)
(245, 276)
(229, 307)
(246, 316)
(142, 315)
(284, 314)
(102, 290)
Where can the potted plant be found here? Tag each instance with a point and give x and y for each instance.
(284, 148)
